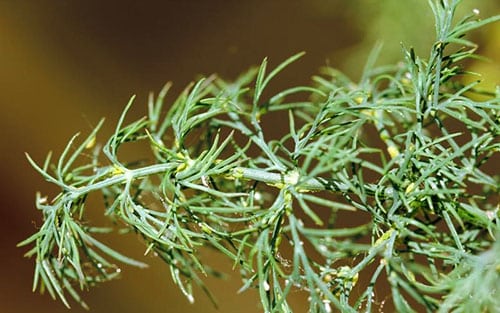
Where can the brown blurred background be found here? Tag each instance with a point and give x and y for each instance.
(65, 64)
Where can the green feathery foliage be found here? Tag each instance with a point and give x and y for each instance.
(402, 153)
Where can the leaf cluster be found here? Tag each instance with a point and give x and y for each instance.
(403, 152)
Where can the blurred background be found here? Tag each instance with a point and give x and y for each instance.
(66, 64)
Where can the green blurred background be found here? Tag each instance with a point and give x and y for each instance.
(66, 64)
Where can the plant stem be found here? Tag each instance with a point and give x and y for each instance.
(309, 184)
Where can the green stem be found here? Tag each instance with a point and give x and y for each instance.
(123, 177)
(306, 185)
(279, 180)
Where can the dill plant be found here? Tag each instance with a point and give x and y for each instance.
(402, 151)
